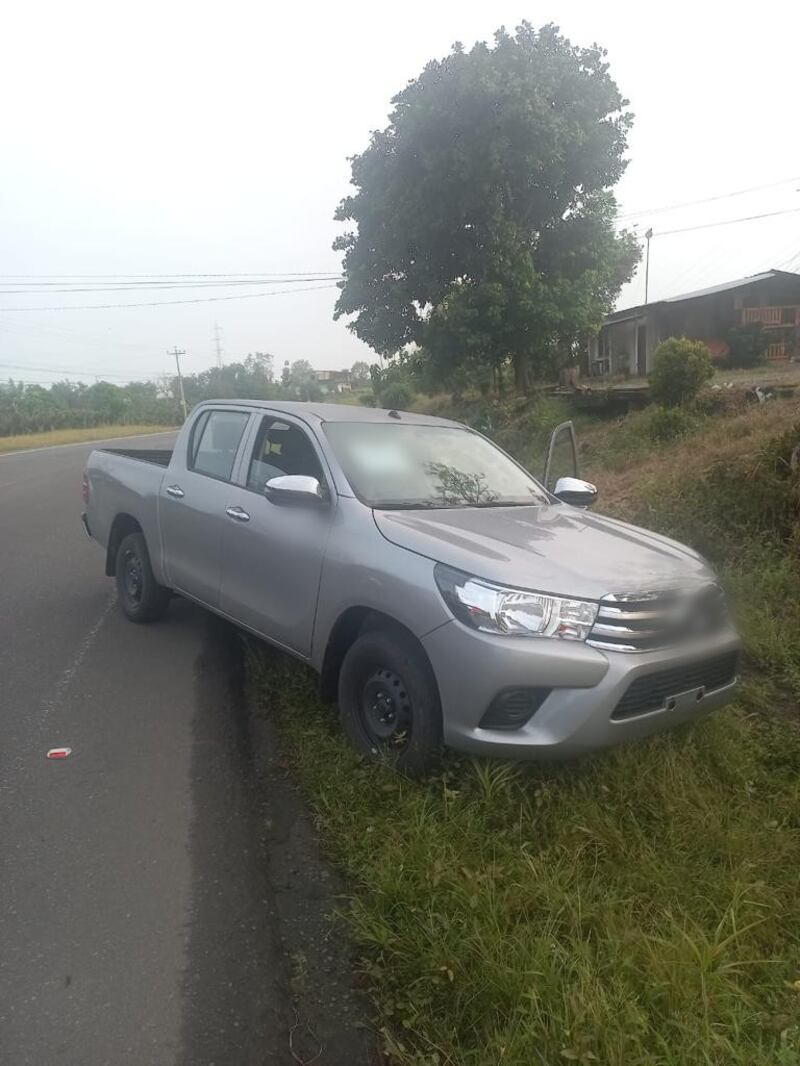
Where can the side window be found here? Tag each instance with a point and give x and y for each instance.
(281, 448)
(197, 433)
(215, 443)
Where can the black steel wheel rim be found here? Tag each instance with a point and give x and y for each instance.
(132, 577)
(385, 710)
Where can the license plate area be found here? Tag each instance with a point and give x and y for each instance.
(676, 689)
(684, 701)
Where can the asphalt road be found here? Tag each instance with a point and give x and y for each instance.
(137, 922)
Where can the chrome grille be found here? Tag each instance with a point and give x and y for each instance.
(647, 621)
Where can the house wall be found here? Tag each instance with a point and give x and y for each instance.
(617, 342)
(622, 346)
(710, 318)
(705, 318)
(774, 292)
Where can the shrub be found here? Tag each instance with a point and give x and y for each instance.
(667, 423)
(680, 369)
(747, 346)
(396, 396)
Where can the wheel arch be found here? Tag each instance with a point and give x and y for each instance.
(350, 624)
(122, 525)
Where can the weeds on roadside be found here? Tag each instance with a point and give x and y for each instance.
(638, 909)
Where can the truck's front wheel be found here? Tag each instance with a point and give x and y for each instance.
(141, 597)
(389, 702)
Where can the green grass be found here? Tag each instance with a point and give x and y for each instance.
(74, 436)
(642, 907)
(637, 908)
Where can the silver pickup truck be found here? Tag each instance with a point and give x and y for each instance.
(443, 594)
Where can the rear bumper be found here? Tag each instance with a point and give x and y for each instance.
(85, 524)
(587, 685)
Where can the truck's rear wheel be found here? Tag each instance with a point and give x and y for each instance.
(388, 701)
(141, 597)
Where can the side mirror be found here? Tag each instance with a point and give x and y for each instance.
(295, 490)
(573, 490)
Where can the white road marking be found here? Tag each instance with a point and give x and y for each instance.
(66, 679)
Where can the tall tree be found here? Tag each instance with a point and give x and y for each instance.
(359, 373)
(484, 217)
(302, 381)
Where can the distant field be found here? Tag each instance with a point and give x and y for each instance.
(74, 436)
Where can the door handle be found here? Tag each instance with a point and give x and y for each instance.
(237, 513)
(176, 491)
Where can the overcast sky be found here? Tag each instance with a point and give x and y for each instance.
(212, 138)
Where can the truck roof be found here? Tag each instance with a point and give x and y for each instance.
(335, 412)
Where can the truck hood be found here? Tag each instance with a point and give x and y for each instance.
(551, 548)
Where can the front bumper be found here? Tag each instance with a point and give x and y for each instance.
(587, 684)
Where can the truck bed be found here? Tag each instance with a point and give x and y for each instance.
(158, 456)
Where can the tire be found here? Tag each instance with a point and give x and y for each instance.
(141, 597)
(389, 702)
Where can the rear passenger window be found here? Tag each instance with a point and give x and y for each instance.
(215, 444)
(197, 433)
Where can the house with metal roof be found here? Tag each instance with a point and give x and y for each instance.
(628, 338)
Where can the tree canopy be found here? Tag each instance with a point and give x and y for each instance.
(484, 217)
(65, 404)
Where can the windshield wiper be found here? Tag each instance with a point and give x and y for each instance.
(415, 505)
(501, 503)
(451, 505)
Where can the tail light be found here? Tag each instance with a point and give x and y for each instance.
(85, 488)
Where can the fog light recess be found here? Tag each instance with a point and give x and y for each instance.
(513, 707)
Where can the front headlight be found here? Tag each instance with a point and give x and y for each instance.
(513, 612)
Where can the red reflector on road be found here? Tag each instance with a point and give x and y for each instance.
(59, 753)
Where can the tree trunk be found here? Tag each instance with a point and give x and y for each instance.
(521, 379)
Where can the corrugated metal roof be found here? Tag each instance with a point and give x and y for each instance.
(635, 312)
(725, 287)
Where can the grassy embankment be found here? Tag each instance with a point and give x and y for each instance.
(639, 908)
(74, 436)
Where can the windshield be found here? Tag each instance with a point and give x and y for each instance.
(408, 466)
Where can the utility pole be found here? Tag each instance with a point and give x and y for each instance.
(178, 352)
(218, 343)
(647, 235)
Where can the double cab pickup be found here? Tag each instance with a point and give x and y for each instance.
(443, 594)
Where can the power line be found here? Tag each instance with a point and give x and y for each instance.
(793, 258)
(17, 327)
(81, 379)
(64, 370)
(129, 277)
(705, 200)
(165, 303)
(24, 381)
(162, 285)
(724, 222)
